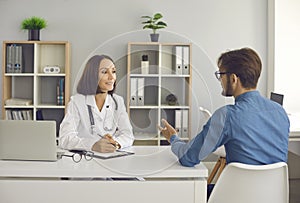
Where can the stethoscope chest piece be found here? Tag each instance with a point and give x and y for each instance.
(108, 120)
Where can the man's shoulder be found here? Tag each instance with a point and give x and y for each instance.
(225, 109)
(223, 112)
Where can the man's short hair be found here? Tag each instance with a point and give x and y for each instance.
(245, 63)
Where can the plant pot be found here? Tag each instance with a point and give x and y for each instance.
(34, 35)
(154, 37)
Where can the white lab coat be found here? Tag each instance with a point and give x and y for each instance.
(76, 131)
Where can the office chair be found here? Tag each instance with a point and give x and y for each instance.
(252, 184)
(220, 152)
(219, 166)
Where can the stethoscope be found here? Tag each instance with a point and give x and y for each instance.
(92, 120)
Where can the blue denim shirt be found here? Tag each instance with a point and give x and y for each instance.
(255, 130)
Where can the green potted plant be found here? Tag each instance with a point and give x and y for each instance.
(33, 25)
(154, 23)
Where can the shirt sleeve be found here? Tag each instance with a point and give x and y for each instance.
(204, 143)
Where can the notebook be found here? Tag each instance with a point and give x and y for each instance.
(117, 153)
(28, 140)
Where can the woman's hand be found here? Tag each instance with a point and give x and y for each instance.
(105, 145)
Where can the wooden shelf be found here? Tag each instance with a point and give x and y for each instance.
(30, 82)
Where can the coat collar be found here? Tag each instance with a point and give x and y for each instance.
(90, 100)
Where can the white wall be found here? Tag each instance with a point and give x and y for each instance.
(284, 67)
(212, 26)
(286, 29)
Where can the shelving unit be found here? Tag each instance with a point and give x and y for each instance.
(30, 82)
(161, 80)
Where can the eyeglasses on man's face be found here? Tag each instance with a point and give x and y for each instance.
(77, 156)
(218, 74)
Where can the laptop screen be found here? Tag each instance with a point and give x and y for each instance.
(277, 98)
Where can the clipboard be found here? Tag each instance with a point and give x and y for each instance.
(118, 153)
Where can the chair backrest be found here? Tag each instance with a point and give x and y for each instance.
(243, 183)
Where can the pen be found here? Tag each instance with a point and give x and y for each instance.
(104, 137)
(100, 135)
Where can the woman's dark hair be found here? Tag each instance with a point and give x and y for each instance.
(245, 63)
(88, 83)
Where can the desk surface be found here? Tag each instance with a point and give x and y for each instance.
(294, 135)
(154, 162)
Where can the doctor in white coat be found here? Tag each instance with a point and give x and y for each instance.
(96, 118)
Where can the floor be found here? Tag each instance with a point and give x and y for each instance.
(294, 190)
(294, 174)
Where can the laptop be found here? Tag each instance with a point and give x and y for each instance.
(277, 97)
(28, 140)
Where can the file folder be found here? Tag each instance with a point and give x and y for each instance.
(140, 91)
(178, 60)
(186, 65)
(133, 91)
(185, 123)
(9, 59)
(178, 122)
(18, 59)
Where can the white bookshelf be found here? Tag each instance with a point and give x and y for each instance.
(162, 80)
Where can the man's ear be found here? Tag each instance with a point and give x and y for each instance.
(233, 78)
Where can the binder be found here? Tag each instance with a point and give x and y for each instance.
(185, 123)
(178, 60)
(18, 59)
(140, 91)
(133, 91)
(9, 59)
(186, 65)
(178, 122)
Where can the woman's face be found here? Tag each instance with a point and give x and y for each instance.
(107, 75)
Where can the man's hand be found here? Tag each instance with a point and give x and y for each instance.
(168, 130)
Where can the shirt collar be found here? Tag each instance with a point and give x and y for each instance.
(90, 100)
(246, 95)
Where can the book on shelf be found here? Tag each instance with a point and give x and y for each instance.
(39, 115)
(60, 90)
(16, 114)
(8, 115)
(18, 102)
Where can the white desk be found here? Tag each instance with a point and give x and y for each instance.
(294, 135)
(294, 127)
(65, 181)
(294, 142)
